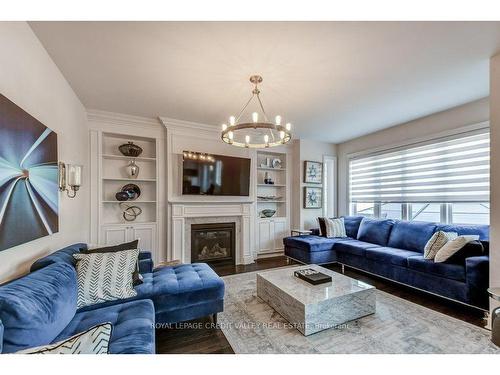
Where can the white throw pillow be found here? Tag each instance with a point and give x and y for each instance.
(105, 276)
(335, 227)
(436, 242)
(95, 340)
(451, 247)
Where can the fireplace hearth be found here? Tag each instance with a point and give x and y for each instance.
(213, 242)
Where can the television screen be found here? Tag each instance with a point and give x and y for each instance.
(215, 175)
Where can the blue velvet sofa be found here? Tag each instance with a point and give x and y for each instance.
(393, 249)
(40, 307)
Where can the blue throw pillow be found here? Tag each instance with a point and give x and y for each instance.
(375, 231)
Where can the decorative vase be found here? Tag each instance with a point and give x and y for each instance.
(132, 169)
(130, 149)
(267, 178)
(122, 196)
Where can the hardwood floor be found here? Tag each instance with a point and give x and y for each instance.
(202, 337)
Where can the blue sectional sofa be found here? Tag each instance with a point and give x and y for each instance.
(40, 307)
(394, 249)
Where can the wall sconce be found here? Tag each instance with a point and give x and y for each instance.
(70, 178)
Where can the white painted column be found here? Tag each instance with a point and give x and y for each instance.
(495, 173)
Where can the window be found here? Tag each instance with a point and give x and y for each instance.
(364, 209)
(391, 210)
(470, 213)
(426, 212)
(445, 180)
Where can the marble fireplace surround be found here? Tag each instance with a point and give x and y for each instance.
(184, 215)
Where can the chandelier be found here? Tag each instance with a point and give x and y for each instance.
(255, 134)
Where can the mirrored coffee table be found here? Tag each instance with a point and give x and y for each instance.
(313, 308)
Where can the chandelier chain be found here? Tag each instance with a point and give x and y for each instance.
(243, 109)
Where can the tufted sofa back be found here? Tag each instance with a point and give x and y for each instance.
(64, 255)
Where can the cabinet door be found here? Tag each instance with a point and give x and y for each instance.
(279, 233)
(146, 235)
(111, 235)
(265, 236)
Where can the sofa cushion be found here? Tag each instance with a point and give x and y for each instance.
(144, 291)
(375, 231)
(35, 308)
(136, 276)
(452, 247)
(390, 255)
(185, 285)
(95, 340)
(105, 276)
(64, 255)
(411, 235)
(449, 271)
(133, 326)
(311, 243)
(483, 231)
(471, 249)
(354, 247)
(351, 224)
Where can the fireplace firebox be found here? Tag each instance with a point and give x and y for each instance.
(213, 243)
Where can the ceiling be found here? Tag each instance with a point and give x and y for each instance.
(333, 80)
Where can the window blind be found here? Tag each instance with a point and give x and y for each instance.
(451, 170)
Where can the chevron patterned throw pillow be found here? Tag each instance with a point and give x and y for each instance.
(105, 276)
(95, 340)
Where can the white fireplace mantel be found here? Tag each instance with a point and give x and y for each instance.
(183, 213)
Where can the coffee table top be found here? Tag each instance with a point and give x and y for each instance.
(306, 293)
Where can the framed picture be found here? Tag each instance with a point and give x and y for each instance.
(313, 172)
(29, 190)
(313, 197)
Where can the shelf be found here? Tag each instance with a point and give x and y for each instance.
(271, 185)
(271, 169)
(122, 157)
(131, 223)
(131, 179)
(129, 202)
(273, 217)
(271, 201)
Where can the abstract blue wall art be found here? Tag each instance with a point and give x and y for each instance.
(29, 188)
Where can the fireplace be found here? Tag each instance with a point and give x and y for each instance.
(213, 242)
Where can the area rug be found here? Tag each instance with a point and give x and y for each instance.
(398, 326)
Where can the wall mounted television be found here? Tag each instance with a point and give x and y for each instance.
(207, 174)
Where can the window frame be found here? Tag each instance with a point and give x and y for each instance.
(446, 211)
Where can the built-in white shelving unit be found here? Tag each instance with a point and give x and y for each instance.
(112, 177)
(271, 230)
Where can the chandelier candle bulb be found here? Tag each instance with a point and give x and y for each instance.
(278, 120)
(282, 135)
(224, 127)
(255, 117)
(247, 139)
(232, 120)
(288, 126)
(230, 135)
(266, 138)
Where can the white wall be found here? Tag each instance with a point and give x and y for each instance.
(29, 78)
(303, 150)
(495, 171)
(467, 114)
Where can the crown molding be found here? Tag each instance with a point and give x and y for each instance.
(181, 125)
(120, 118)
